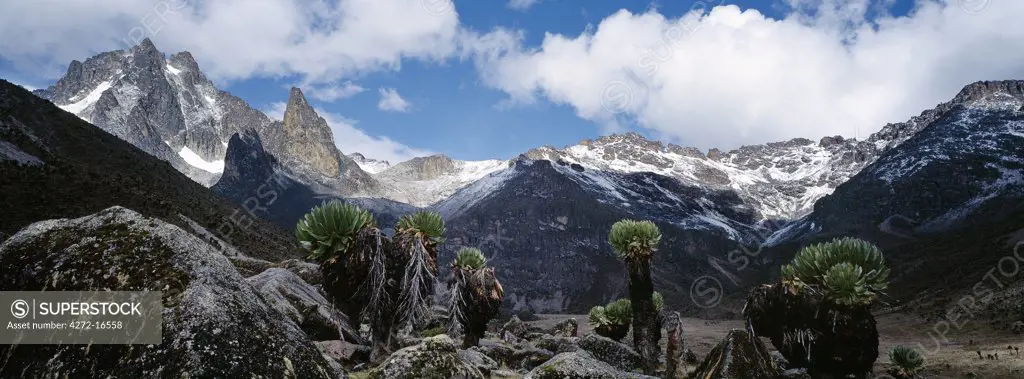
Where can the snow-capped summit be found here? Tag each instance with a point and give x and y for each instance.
(166, 107)
(779, 180)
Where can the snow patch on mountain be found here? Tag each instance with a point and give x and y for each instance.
(193, 159)
(78, 105)
(465, 197)
(429, 192)
(369, 165)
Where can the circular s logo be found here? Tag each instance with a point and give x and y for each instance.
(19, 308)
(706, 292)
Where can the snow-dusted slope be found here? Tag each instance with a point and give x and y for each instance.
(82, 104)
(424, 181)
(369, 165)
(780, 180)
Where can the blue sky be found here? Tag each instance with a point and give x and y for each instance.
(492, 80)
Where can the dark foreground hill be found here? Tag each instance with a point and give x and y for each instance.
(55, 165)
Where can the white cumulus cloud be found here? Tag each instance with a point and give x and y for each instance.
(320, 40)
(391, 101)
(333, 92)
(728, 77)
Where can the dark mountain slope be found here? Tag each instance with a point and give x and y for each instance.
(79, 169)
(545, 227)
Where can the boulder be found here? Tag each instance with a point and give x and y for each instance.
(565, 328)
(345, 352)
(436, 357)
(524, 356)
(305, 305)
(533, 336)
(738, 356)
(529, 357)
(499, 352)
(518, 328)
(505, 374)
(482, 362)
(214, 323)
(558, 344)
(605, 349)
(578, 365)
(248, 266)
(309, 272)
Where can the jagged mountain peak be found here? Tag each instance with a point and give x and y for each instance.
(146, 45)
(184, 61)
(307, 146)
(297, 101)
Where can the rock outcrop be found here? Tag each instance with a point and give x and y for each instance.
(214, 323)
(738, 356)
(578, 365)
(304, 305)
(617, 354)
(436, 357)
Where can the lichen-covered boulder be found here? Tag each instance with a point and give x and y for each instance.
(214, 323)
(435, 358)
(605, 349)
(305, 305)
(309, 272)
(578, 365)
(499, 352)
(345, 352)
(528, 357)
(249, 266)
(738, 356)
(566, 328)
(523, 356)
(558, 344)
(482, 362)
(505, 374)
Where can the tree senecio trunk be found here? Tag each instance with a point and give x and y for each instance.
(674, 350)
(646, 322)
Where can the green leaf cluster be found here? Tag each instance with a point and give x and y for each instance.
(849, 271)
(331, 228)
(633, 239)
